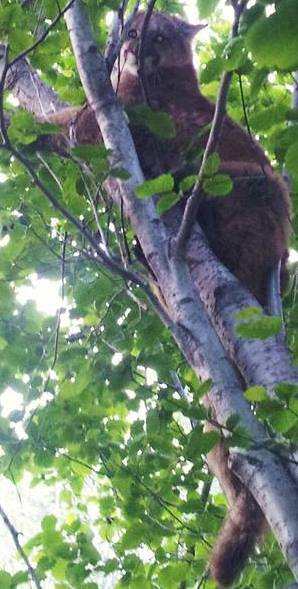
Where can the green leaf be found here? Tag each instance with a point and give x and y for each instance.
(219, 185)
(49, 523)
(212, 164)
(261, 328)
(158, 122)
(206, 7)
(21, 128)
(119, 173)
(59, 569)
(234, 54)
(87, 152)
(232, 421)
(291, 159)
(256, 393)
(5, 580)
(6, 298)
(133, 536)
(200, 442)
(203, 388)
(166, 202)
(4, 425)
(282, 420)
(163, 183)
(212, 70)
(73, 388)
(249, 313)
(3, 343)
(273, 40)
(258, 81)
(173, 574)
(286, 391)
(266, 118)
(187, 183)
(19, 578)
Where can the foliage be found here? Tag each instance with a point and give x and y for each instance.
(98, 397)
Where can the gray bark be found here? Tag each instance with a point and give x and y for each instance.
(32, 93)
(262, 362)
(276, 503)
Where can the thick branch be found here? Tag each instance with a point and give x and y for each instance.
(276, 504)
(32, 93)
(187, 312)
(263, 362)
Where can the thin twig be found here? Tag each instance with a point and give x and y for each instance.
(181, 392)
(247, 125)
(43, 36)
(103, 257)
(117, 34)
(114, 39)
(125, 242)
(61, 302)
(141, 54)
(203, 579)
(195, 199)
(43, 241)
(49, 169)
(15, 536)
(3, 70)
(95, 214)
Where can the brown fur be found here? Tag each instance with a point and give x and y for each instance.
(243, 525)
(248, 229)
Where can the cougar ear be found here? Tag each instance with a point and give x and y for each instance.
(189, 30)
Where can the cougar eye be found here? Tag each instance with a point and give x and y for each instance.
(132, 34)
(159, 38)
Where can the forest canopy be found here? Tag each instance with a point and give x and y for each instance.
(111, 411)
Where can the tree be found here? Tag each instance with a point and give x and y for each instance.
(95, 411)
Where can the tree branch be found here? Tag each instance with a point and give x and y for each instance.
(118, 29)
(32, 93)
(141, 55)
(44, 34)
(195, 199)
(264, 362)
(103, 256)
(15, 536)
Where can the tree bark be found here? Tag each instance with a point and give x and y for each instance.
(32, 93)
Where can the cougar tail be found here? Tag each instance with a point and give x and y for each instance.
(241, 530)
